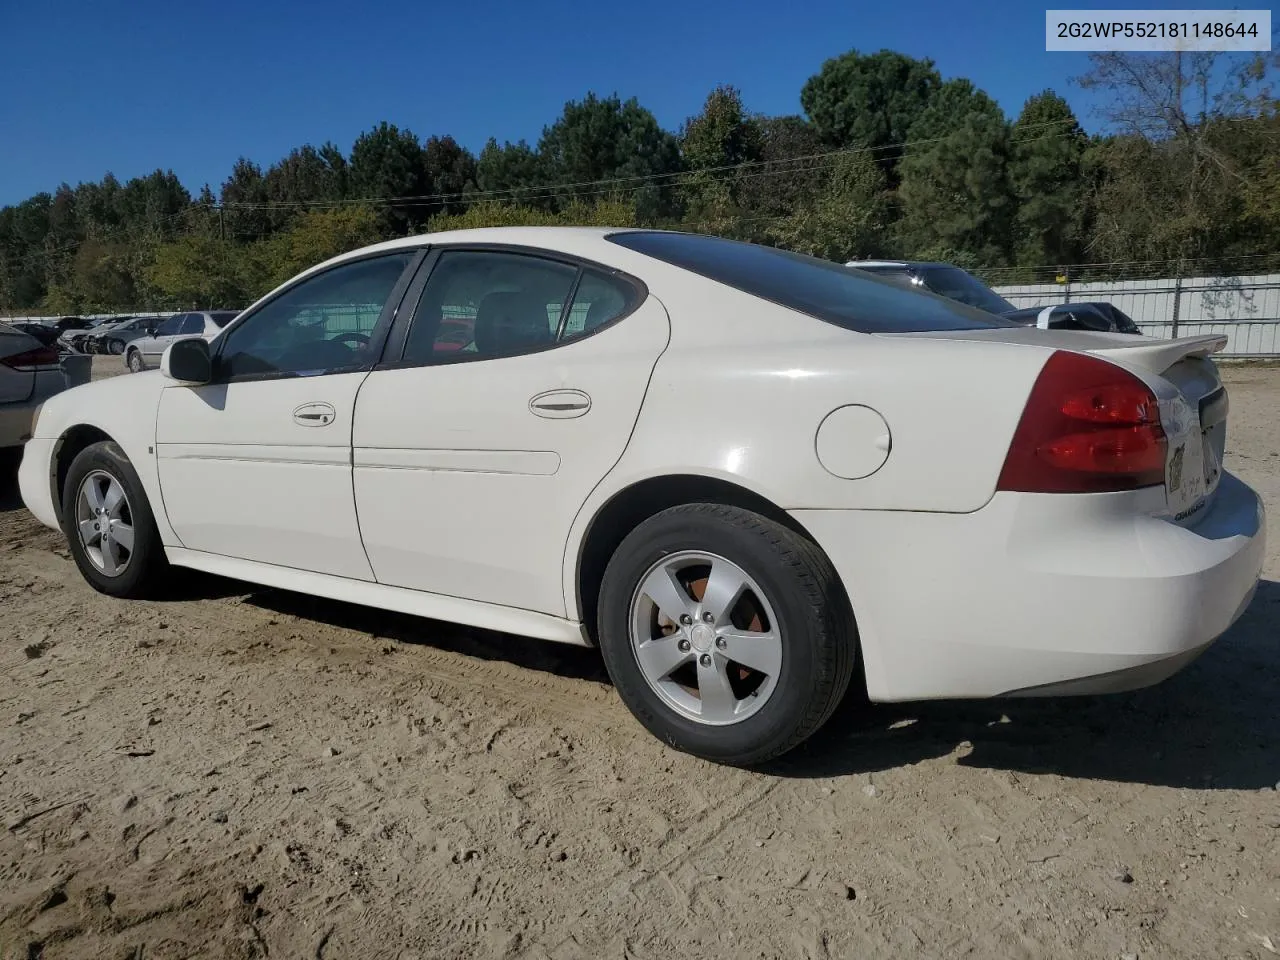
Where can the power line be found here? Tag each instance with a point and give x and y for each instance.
(550, 190)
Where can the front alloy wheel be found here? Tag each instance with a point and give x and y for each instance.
(109, 526)
(105, 523)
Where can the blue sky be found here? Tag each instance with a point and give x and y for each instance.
(128, 87)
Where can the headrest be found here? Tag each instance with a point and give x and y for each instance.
(510, 322)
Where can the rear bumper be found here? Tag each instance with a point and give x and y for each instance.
(16, 420)
(1037, 595)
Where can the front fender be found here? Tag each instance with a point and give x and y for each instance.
(124, 408)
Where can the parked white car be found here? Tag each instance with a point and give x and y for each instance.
(737, 470)
(145, 351)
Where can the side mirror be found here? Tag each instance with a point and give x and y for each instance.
(188, 361)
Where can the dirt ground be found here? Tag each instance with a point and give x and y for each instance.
(249, 773)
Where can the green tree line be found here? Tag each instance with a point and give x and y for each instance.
(887, 159)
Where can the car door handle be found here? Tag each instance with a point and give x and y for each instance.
(560, 404)
(314, 414)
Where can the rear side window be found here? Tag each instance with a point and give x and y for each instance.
(224, 317)
(170, 326)
(829, 291)
(599, 299)
(193, 324)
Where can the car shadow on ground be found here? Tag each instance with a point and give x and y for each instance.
(10, 498)
(1215, 725)
(576, 663)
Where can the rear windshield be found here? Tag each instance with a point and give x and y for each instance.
(963, 286)
(223, 318)
(829, 291)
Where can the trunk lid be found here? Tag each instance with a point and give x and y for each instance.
(1193, 401)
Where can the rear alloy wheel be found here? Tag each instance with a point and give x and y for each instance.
(705, 637)
(109, 525)
(135, 362)
(115, 347)
(727, 634)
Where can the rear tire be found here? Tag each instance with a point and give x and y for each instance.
(791, 620)
(135, 362)
(102, 501)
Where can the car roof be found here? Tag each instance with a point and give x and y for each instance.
(570, 240)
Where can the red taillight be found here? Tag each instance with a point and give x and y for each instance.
(39, 357)
(1089, 426)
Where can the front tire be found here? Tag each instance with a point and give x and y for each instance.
(115, 347)
(136, 364)
(109, 526)
(727, 634)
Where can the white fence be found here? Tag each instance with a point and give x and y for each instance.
(1246, 309)
(53, 317)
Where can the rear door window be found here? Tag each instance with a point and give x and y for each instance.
(479, 304)
(171, 325)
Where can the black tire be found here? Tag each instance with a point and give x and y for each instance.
(819, 637)
(135, 362)
(147, 569)
(114, 347)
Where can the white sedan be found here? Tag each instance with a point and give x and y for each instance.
(747, 475)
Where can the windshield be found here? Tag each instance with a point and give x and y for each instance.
(829, 291)
(963, 286)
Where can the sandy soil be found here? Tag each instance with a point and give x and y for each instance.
(247, 773)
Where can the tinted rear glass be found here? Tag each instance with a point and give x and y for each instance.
(829, 291)
(963, 286)
(222, 319)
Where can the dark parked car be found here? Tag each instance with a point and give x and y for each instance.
(948, 280)
(45, 333)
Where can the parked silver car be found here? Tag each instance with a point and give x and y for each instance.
(146, 351)
(114, 337)
(30, 373)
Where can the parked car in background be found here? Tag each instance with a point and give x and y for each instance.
(46, 333)
(75, 330)
(31, 372)
(742, 472)
(112, 338)
(145, 351)
(955, 283)
(80, 339)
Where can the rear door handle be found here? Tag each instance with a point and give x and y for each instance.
(314, 414)
(560, 404)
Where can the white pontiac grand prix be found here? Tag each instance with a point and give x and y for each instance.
(743, 473)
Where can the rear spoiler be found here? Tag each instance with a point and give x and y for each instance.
(1159, 355)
